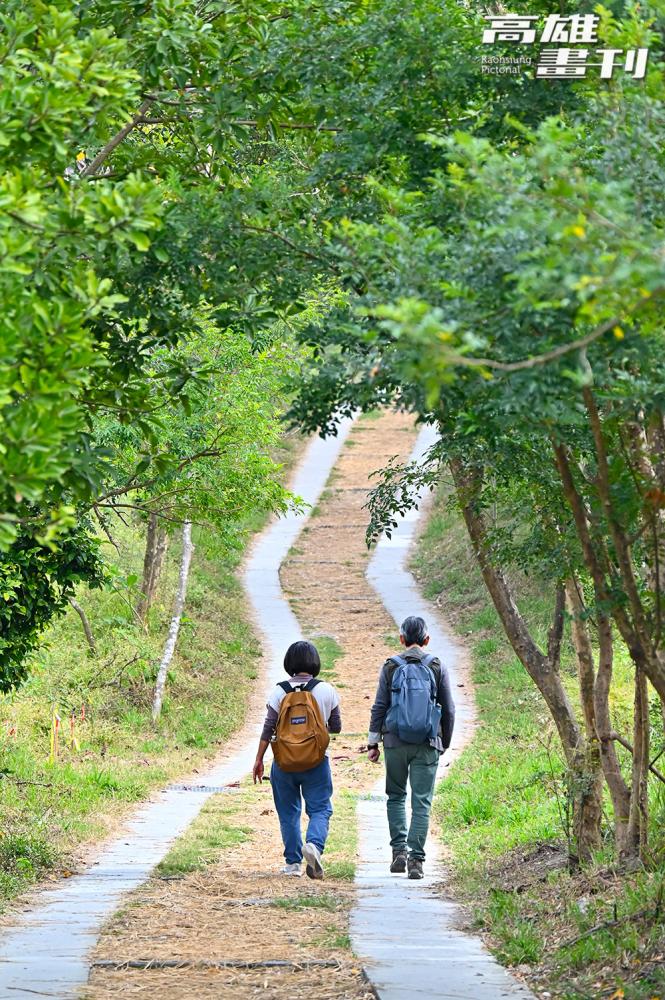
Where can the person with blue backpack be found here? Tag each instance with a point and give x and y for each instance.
(413, 713)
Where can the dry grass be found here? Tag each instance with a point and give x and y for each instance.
(230, 902)
(235, 906)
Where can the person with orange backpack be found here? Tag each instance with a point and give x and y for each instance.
(302, 712)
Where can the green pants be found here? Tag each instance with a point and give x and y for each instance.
(417, 765)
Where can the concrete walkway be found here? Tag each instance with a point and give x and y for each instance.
(46, 952)
(406, 932)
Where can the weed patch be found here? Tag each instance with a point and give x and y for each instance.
(203, 842)
(342, 844)
(330, 652)
(325, 901)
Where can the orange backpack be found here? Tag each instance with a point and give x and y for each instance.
(301, 735)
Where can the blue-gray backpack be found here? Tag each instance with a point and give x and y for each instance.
(413, 714)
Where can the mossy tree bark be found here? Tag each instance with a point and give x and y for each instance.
(637, 836)
(594, 695)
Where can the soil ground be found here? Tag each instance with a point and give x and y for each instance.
(239, 908)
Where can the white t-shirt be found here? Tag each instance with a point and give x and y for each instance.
(324, 693)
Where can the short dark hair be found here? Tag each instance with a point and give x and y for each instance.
(302, 658)
(414, 630)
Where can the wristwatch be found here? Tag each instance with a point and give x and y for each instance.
(372, 746)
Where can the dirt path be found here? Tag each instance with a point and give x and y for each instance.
(239, 909)
(324, 578)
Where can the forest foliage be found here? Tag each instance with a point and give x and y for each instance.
(199, 196)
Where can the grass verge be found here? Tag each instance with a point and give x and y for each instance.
(502, 811)
(330, 652)
(109, 753)
(342, 845)
(211, 833)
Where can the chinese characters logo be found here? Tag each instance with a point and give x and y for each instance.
(564, 61)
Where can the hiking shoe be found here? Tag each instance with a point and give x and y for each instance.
(415, 868)
(312, 856)
(292, 869)
(398, 863)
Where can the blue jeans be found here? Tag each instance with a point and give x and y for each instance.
(288, 790)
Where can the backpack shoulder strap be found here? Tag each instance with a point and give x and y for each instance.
(393, 663)
(289, 688)
(397, 660)
(428, 660)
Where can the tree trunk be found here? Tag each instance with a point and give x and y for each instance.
(161, 547)
(585, 661)
(637, 838)
(594, 693)
(543, 669)
(157, 541)
(648, 659)
(647, 444)
(174, 627)
(619, 790)
(586, 791)
(617, 531)
(590, 814)
(86, 625)
(641, 650)
(148, 563)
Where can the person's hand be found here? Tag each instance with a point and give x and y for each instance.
(257, 771)
(373, 755)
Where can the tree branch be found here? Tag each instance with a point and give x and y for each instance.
(617, 532)
(86, 625)
(94, 165)
(606, 925)
(105, 529)
(555, 634)
(591, 558)
(289, 243)
(133, 485)
(618, 738)
(253, 123)
(562, 349)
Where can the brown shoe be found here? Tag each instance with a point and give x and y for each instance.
(415, 868)
(398, 865)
